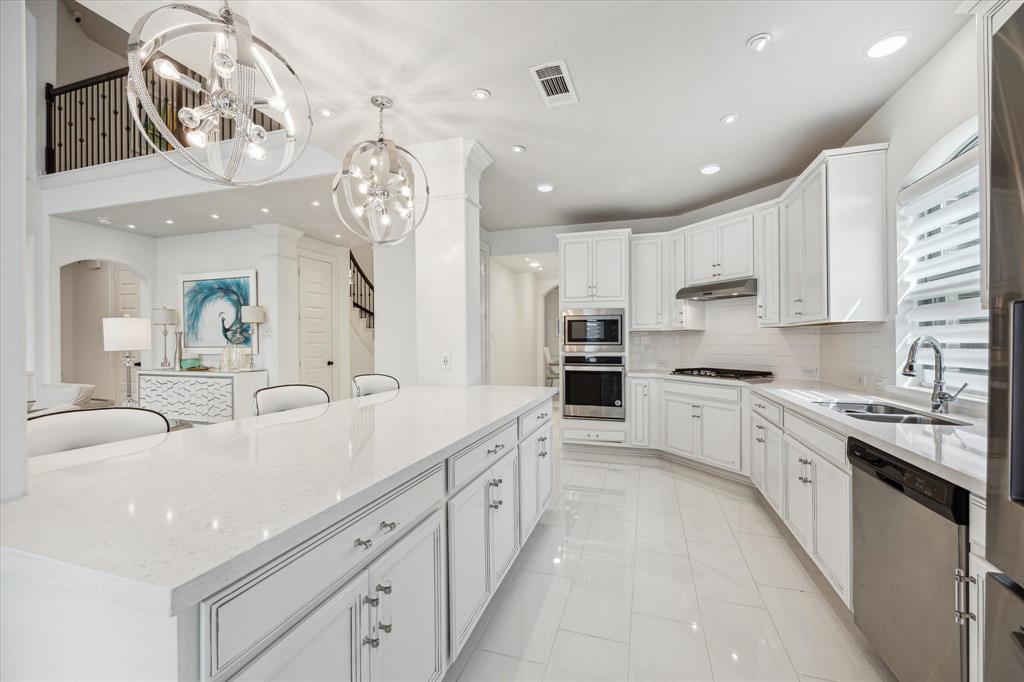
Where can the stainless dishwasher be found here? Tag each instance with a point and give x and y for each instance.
(909, 566)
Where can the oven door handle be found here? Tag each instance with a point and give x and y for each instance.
(595, 368)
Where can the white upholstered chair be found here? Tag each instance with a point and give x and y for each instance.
(69, 430)
(288, 397)
(368, 384)
(552, 368)
(61, 397)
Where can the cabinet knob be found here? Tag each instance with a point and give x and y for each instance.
(543, 453)
(365, 544)
(374, 642)
(494, 505)
(494, 483)
(759, 440)
(388, 525)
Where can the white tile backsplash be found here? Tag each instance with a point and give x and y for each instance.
(858, 355)
(731, 339)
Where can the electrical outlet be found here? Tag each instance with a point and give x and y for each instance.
(809, 372)
(446, 361)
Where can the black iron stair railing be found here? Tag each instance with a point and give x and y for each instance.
(360, 290)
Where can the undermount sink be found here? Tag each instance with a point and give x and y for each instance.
(889, 414)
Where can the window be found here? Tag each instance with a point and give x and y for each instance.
(939, 268)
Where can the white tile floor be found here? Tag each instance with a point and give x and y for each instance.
(646, 573)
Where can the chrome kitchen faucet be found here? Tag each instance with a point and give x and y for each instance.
(940, 398)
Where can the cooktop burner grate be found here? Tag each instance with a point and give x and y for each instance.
(723, 373)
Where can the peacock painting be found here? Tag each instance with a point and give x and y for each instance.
(211, 310)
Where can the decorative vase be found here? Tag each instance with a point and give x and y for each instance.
(179, 349)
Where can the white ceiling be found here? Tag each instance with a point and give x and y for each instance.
(653, 79)
(549, 265)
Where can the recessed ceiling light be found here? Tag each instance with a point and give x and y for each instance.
(527, 259)
(314, 203)
(545, 187)
(758, 42)
(481, 94)
(540, 268)
(265, 210)
(326, 113)
(534, 264)
(130, 226)
(730, 118)
(215, 216)
(888, 44)
(337, 236)
(517, 149)
(169, 221)
(104, 220)
(710, 169)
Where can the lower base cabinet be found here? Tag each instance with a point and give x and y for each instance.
(701, 429)
(535, 479)
(482, 543)
(799, 494)
(388, 623)
(766, 446)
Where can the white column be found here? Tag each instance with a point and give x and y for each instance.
(13, 160)
(448, 263)
(278, 281)
(394, 311)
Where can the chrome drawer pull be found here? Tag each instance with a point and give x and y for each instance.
(493, 451)
(388, 525)
(543, 453)
(386, 590)
(759, 440)
(372, 641)
(372, 601)
(499, 446)
(365, 544)
(494, 505)
(494, 482)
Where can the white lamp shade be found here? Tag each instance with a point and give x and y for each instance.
(252, 313)
(126, 333)
(167, 316)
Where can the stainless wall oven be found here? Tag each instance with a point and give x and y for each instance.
(593, 330)
(593, 387)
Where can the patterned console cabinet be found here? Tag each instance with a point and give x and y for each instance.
(200, 397)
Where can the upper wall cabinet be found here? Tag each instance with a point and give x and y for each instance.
(656, 274)
(594, 267)
(766, 262)
(832, 239)
(720, 250)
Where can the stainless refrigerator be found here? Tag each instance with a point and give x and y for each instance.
(1004, 541)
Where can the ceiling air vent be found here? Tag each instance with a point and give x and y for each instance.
(553, 81)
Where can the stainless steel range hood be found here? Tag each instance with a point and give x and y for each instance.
(714, 291)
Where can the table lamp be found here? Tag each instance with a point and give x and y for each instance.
(252, 314)
(165, 317)
(126, 334)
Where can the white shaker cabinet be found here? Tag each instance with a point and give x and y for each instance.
(832, 239)
(774, 466)
(679, 423)
(766, 255)
(799, 500)
(702, 429)
(639, 408)
(757, 443)
(720, 435)
(646, 283)
(535, 479)
(832, 524)
(594, 267)
(721, 250)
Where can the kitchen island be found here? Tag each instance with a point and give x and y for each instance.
(230, 549)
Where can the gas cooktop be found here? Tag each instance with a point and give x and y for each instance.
(723, 373)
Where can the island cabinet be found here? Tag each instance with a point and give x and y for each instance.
(832, 239)
(594, 267)
(535, 478)
(482, 543)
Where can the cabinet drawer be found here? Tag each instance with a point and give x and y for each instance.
(534, 418)
(766, 408)
(597, 436)
(474, 459)
(250, 613)
(826, 443)
(708, 391)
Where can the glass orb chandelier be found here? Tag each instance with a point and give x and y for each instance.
(375, 191)
(243, 124)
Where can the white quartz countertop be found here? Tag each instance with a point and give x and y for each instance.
(956, 453)
(163, 521)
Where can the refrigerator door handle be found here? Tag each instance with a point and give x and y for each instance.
(1016, 406)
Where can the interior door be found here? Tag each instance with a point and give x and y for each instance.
(645, 290)
(610, 267)
(409, 617)
(126, 299)
(316, 323)
(832, 529)
(679, 419)
(773, 466)
(503, 498)
(815, 249)
(326, 646)
(576, 269)
(701, 255)
(720, 435)
(468, 575)
(799, 494)
(736, 248)
(792, 261)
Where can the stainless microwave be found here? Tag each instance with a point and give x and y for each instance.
(594, 330)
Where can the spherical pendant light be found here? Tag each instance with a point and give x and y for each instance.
(244, 123)
(375, 191)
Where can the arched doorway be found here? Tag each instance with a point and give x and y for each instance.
(89, 291)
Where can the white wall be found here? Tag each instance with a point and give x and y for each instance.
(78, 57)
(552, 333)
(940, 96)
(514, 322)
(732, 339)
